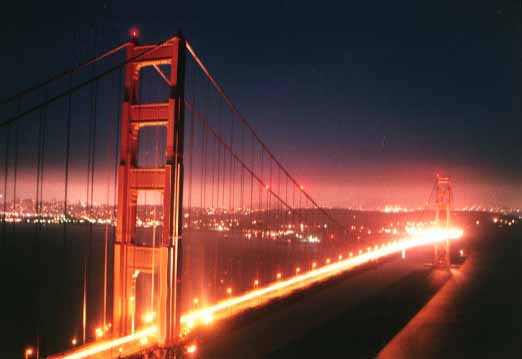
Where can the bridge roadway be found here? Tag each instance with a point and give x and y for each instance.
(203, 320)
(359, 309)
(478, 312)
(409, 311)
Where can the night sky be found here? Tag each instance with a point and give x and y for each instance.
(364, 107)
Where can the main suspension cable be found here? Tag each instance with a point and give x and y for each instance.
(64, 73)
(254, 133)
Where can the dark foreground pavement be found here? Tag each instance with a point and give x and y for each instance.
(477, 314)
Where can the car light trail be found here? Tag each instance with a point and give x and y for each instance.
(100, 347)
(418, 237)
(233, 305)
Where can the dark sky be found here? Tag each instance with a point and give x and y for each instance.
(365, 106)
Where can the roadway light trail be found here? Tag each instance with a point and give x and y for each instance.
(260, 296)
(418, 237)
(97, 348)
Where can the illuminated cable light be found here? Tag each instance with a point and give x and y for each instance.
(278, 276)
(340, 257)
(98, 332)
(256, 283)
(196, 301)
(229, 291)
(297, 270)
(74, 341)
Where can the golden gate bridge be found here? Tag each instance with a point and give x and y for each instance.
(184, 215)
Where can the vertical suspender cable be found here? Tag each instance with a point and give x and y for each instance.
(6, 176)
(15, 175)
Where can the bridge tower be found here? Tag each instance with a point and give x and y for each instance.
(164, 260)
(443, 202)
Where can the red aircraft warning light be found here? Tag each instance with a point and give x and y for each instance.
(134, 34)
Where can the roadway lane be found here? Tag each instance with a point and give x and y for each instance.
(477, 314)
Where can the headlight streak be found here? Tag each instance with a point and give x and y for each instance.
(418, 237)
(233, 305)
(100, 347)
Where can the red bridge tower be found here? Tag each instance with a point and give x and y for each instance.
(130, 259)
(443, 202)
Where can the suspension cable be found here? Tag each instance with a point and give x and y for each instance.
(64, 73)
(254, 133)
(86, 82)
(233, 155)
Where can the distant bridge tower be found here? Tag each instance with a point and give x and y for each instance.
(443, 202)
(131, 260)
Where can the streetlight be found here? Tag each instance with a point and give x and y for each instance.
(191, 349)
(28, 352)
